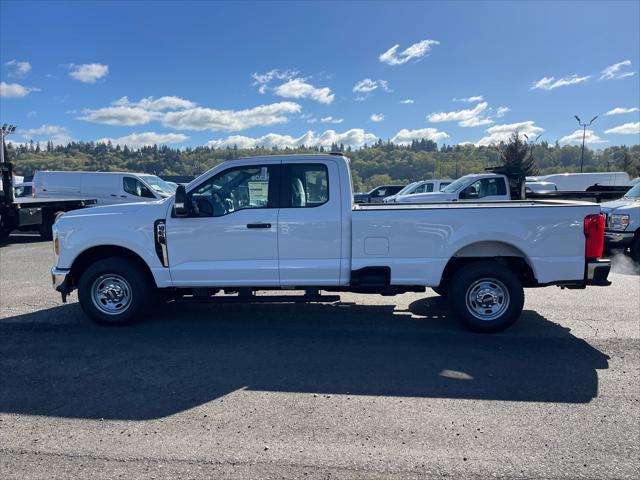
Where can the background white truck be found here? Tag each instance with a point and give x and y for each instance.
(622, 223)
(289, 222)
(422, 186)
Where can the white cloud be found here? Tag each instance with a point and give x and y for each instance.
(500, 112)
(501, 133)
(415, 51)
(156, 104)
(55, 134)
(613, 72)
(376, 117)
(330, 119)
(477, 98)
(263, 79)
(88, 72)
(631, 128)
(550, 83)
(18, 69)
(407, 101)
(230, 120)
(137, 140)
(119, 116)
(354, 138)
(368, 85)
(299, 88)
(15, 90)
(405, 137)
(179, 113)
(576, 137)
(45, 129)
(622, 110)
(465, 118)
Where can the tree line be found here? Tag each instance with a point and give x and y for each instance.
(380, 163)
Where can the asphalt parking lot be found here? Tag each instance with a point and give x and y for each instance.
(372, 387)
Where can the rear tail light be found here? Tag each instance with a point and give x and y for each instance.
(594, 235)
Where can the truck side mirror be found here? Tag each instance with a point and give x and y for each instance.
(180, 207)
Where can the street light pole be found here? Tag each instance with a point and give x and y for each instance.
(584, 134)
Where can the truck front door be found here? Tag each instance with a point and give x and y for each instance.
(230, 237)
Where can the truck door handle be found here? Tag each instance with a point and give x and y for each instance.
(114, 195)
(258, 225)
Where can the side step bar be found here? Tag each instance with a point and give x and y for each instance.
(251, 298)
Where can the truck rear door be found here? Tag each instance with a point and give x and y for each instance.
(309, 223)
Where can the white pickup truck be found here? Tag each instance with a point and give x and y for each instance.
(289, 223)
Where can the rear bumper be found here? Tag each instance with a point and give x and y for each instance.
(615, 240)
(597, 271)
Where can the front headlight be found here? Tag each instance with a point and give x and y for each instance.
(618, 222)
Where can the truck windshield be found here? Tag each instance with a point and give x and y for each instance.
(407, 188)
(455, 186)
(634, 193)
(159, 185)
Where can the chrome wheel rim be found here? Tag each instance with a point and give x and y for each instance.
(487, 299)
(111, 294)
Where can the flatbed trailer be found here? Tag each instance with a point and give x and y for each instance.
(28, 213)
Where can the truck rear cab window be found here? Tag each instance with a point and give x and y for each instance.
(235, 189)
(135, 187)
(305, 185)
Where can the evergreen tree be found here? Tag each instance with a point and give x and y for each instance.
(517, 153)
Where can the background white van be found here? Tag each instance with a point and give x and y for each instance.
(573, 182)
(107, 187)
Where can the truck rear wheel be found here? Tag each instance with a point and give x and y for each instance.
(114, 292)
(486, 297)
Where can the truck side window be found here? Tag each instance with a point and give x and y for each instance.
(232, 190)
(133, 186)
(486, 187)
(309, 185)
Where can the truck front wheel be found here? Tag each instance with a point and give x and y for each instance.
(114, 291)
(486, 297)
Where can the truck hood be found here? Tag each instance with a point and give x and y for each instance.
(620, 205)
(141, 209)
(432, 197)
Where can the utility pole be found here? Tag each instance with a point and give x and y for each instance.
(584, 134)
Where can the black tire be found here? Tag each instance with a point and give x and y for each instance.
(46, 226)
(490, 281)
(634, 248)
(442, 290)
(4, 229)
(115, 275)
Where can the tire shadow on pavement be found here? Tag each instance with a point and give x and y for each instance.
(188, 355)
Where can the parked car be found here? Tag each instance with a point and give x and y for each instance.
(622, 226)
(288, 222)
(423, 186)
(581, 181)
(378, 194)
(107, 187)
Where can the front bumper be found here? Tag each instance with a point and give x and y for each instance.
(60, 280)
(597, 271)
(615, 240)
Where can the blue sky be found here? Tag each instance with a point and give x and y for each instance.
(192, 73)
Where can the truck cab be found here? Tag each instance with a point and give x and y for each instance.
(473, 187)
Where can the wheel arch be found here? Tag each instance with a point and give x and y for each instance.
(501, 252)
(94, 254)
